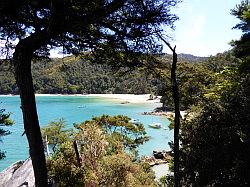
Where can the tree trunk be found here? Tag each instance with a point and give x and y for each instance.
(176, 121)
(177, 116)
(78, 157)
(22, 63)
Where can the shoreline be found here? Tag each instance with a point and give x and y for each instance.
(168, 114)
(129, 98)
(123, 98)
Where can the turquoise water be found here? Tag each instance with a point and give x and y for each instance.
(55, 107)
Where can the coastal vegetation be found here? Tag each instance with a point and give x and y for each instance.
(74, 75)
(106, 146)
(199, 81)
(215, 137)
(194, 79)
(4, 121)
(212, 141)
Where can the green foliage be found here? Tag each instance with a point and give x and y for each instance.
(106, 28)
(63, 168)
(120, 130)
(56, 133)
(196, 80)
(192, 80)
(242, 46)
(92, 145)
(215, 142)
(4, 121)
(212, 142)
(99, 166)
(217, 63)
(215, 138)
(109, 27)
(72, 75)
(7, 81)
(167, 181)
(119, 170)
(221, 82)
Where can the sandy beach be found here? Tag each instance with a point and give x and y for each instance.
(123, 98)
(130, 98)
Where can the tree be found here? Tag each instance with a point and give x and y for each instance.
(177, 116)
(120, 129)
(242, 46)
(56, 133)
(216, 140)
(103, 26)
(193, 80)
(212, 142)
(242, 12)
(103, 155)
(4, 121)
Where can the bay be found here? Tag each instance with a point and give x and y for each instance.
(76, 109)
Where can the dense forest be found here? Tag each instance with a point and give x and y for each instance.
(194, 79)
(74, 75)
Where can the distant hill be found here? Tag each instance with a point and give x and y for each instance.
(191, 58)
(185, 57)
(72, 75)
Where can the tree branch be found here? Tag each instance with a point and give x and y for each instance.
(165, 41)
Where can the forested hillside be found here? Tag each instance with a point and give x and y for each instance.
(73, 75)
(194, 77)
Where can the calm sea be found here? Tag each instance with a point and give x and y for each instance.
(76, 109)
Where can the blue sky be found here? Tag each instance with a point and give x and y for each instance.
(204, 27)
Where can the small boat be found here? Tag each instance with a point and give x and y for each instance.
(81, 106)
(155, 125)
(134, 121)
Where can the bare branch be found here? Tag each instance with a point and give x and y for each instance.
(165, 41)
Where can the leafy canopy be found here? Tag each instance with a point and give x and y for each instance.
(215, 141)
(56, 133)
(119, 128)
(4, 121)
(120, 25)
(104, 162)
(242, 46)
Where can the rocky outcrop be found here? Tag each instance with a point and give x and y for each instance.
(19, 174)
(158, 157)
(168, 114)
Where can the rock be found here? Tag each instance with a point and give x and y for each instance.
(18, 174)
(125, 102)
(6, 174)
(158, 154)
(151, 97)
